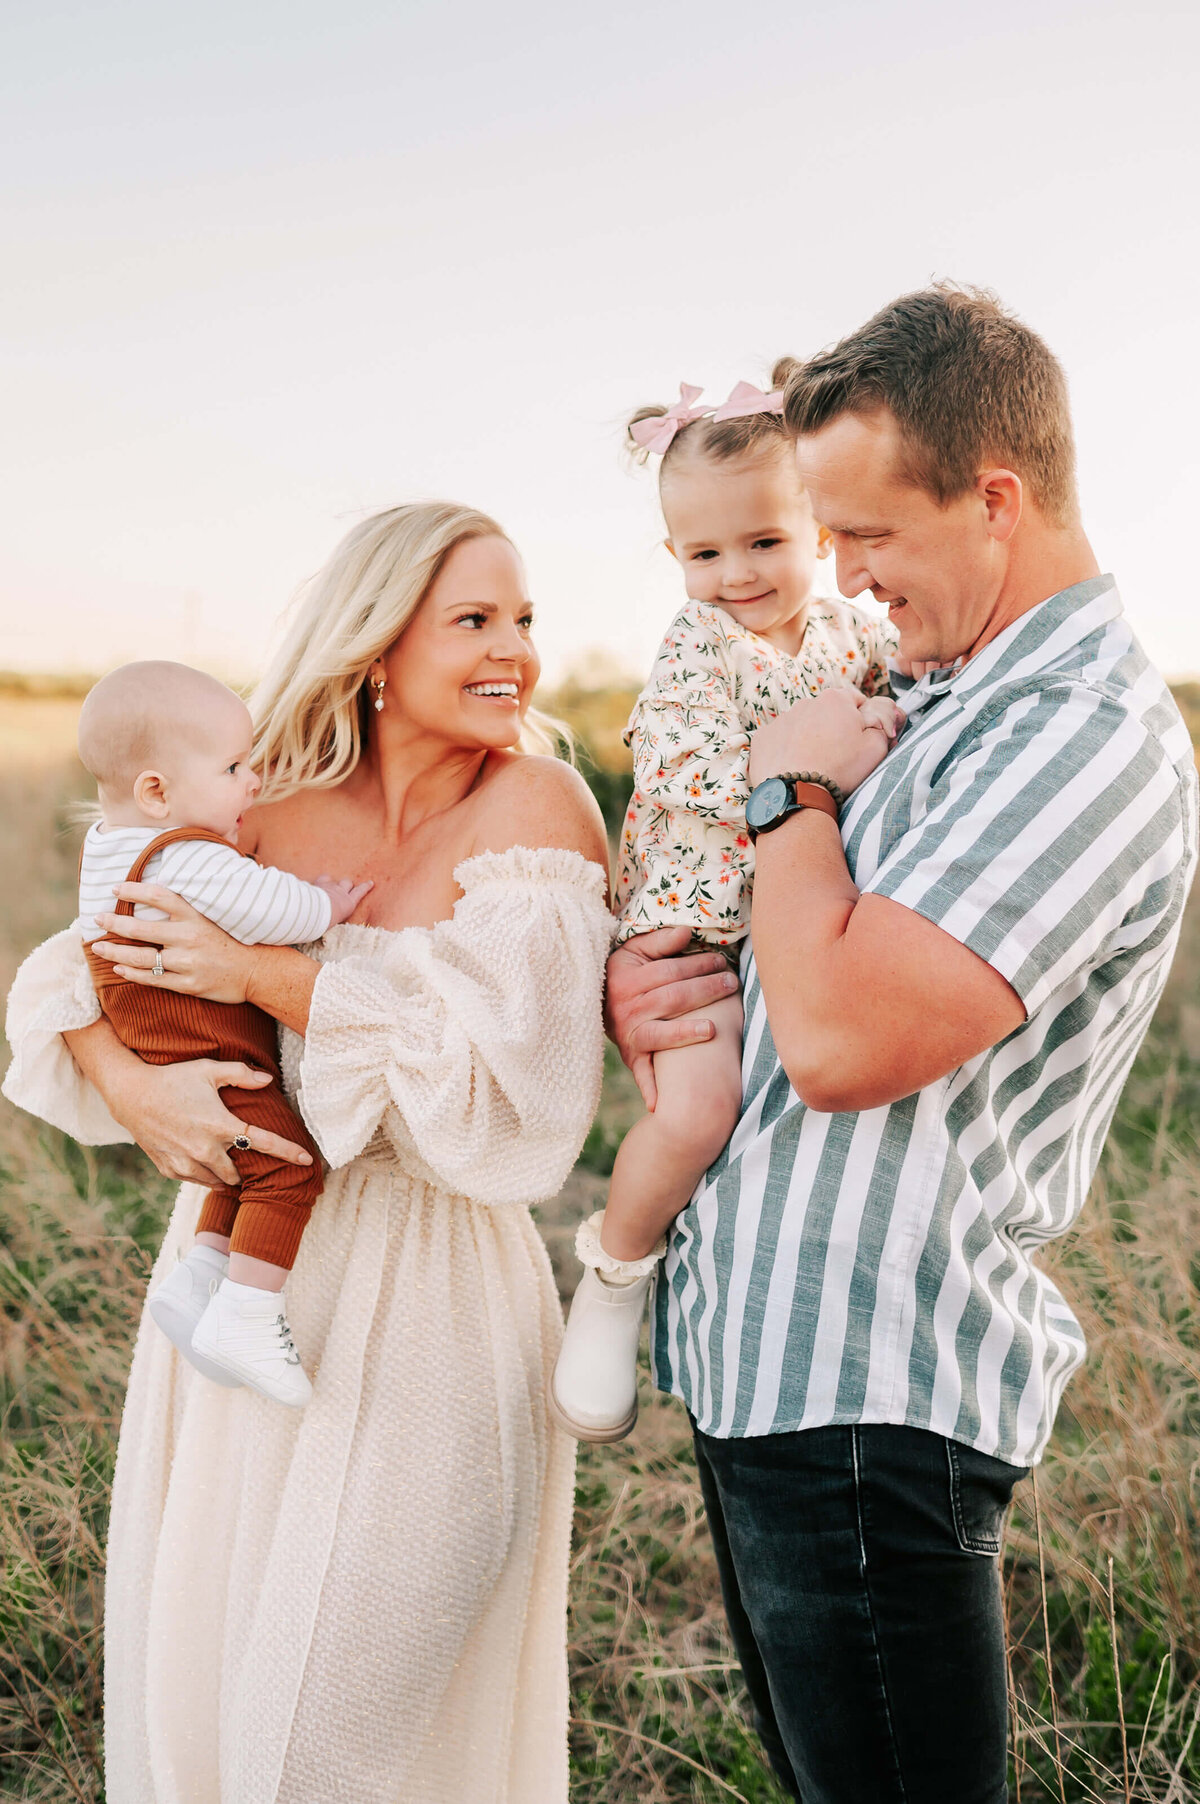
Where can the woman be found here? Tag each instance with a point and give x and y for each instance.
(366, 1599)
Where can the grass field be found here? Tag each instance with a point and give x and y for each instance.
(1102, 1563)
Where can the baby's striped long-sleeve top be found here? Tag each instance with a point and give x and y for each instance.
(257, 904)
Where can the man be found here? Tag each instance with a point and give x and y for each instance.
(946, 990)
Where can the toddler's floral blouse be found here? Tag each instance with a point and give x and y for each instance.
(686, 858)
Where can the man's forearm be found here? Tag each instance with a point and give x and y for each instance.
(804, 900)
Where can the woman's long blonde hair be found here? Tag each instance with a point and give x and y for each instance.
(310, 709)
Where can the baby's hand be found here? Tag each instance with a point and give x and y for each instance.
(880, 711)
(344, 895)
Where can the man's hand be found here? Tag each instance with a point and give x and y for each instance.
(650, 984)
(843, 734)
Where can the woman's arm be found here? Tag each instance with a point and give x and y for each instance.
(539, 802)
(199, 959)
(281, 982)
(69, 1068)
(474, 1046)
(175, 1112)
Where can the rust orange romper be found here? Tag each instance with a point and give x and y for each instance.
(267, 1214)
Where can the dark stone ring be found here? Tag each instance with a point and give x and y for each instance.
(241, 1143)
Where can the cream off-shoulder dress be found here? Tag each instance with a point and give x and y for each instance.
(366, 1600)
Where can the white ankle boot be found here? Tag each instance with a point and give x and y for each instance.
(244, 1331)
(593, 1394)
(181, 1299)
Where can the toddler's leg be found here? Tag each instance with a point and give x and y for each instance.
(663, 1156)
(594, 1389)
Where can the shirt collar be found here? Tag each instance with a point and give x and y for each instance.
(1052, 627)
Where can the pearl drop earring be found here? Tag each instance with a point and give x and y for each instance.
(377, 684)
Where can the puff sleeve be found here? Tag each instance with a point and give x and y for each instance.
(474, 1048)
(52, 995)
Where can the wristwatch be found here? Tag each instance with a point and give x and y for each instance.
(771, 802)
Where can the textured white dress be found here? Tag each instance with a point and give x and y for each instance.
(366, 1600)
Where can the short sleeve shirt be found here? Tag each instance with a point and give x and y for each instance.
(880, 1266)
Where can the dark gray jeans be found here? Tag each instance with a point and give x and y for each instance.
(859, 1571)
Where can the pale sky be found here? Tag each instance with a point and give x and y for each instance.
(269, 267)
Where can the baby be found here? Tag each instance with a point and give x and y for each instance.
(751, 642)
(170, 751)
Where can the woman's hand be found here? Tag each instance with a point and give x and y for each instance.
(198, 959)
(176, 1115)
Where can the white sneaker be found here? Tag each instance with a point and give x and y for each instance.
(593, 1393)
(244, 1331)
(181, 1299)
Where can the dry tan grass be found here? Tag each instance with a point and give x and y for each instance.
(39, 776)
(70, 1286)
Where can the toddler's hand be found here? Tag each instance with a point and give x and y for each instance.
(880, 711)
(344, 895)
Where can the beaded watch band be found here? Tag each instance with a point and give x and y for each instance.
(813, 776)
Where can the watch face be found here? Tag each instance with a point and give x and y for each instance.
(767, 802)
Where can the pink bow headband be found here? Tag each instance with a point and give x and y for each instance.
(656, 434)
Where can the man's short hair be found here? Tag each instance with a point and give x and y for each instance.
(969, 385)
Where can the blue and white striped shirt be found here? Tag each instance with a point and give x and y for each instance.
(878, 1266)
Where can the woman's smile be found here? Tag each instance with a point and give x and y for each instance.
(506, 693)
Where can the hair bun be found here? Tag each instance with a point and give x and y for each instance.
(638, 452)
(783, 369)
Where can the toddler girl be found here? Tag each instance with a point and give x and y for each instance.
(752, 641)
(170, 751)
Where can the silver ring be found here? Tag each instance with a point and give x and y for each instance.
(156, 969)
(241, 1142)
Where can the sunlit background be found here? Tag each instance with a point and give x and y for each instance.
(269, 267)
